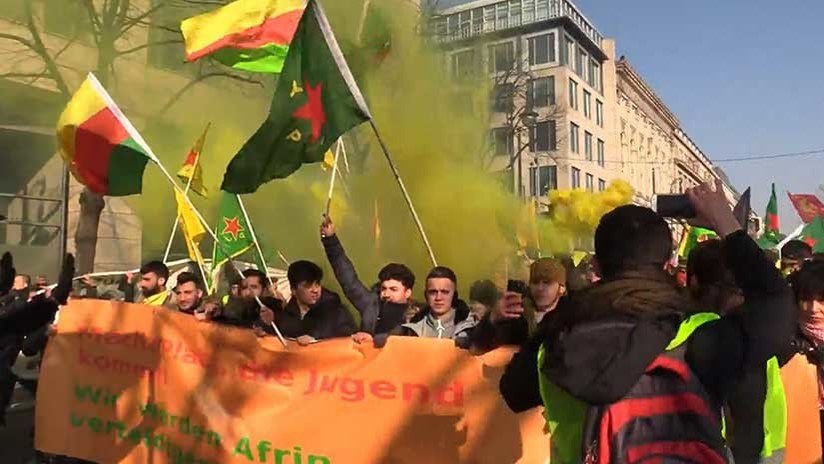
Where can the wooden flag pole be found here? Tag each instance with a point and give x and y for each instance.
(405, 193)
(185, 192)
(332, 181)
(177, 218)
(212, 233)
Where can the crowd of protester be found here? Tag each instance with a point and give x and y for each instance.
(588, 332)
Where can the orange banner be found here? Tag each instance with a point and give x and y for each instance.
(136, 384)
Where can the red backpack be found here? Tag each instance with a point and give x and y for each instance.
(666, 418)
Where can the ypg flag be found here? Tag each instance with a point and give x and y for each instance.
(315, 102)
(191, 172)
(232, 232)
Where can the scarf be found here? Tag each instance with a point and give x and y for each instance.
(812, 326)
(637, 294)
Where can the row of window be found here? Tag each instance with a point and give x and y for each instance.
(575, 146)
(542, 179)
(587, 67)
(542, 139)
(575, 179)
(540, 93)
(573, 103)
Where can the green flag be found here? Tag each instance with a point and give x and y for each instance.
(691, 238)
(813, 234)
(232, 232)
(316, 101)
(771, 228)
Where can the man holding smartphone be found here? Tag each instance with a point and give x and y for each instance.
(524, 307)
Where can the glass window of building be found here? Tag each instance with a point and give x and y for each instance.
(575, 177)
(542, 179)
(573, 94)
(463, 64)
(588, 146)
(601, 160)
(602, 185)
(573, 138)
(599, 113)
(590, 182)
(501, 141)
(542, 49)
(502, 98)
(587, 104)
(501, 57)
(543, 136)
(541, 92)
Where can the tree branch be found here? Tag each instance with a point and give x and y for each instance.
(147, 45)
(138, 20)
(174, 99)
(16, 38)
(41, 50)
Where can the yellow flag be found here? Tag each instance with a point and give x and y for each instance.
(328, 160)
(193, 230)
(191, 168)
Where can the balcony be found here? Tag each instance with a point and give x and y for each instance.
(483, 17)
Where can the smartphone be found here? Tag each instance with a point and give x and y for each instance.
(516, 286)
(674, 206)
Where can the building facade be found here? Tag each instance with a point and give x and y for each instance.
(40, 201)
(595, 119)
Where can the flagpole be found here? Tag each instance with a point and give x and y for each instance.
(255, 241)
(405, 193)
(185, 192)
(334, 175)
(174, 226)
(130, 129)
(212, 233)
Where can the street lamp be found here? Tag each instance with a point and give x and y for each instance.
(529, 119)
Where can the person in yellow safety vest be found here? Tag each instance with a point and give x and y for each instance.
(755, 412)
(640, 311)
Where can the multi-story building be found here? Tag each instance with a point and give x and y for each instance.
(582, 117)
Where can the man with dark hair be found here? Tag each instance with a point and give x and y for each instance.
(313, 313)
(188, 293)
(752, 430)
(710, 282)
(599, 352)
(793, 255)
(254, 284)
(445, 315)
(153, 278)
(380, 312)
(243, 307)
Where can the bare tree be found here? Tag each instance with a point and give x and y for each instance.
(111, 27)
(513, 95)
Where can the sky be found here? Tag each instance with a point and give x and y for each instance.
(744, 77)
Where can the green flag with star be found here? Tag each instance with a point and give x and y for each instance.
(232, 231)
(316, 100)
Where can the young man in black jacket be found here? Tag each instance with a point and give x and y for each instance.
(380, 312)
(313, 313)
(632, 246)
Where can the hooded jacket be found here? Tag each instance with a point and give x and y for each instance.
(377, 316)
(598, 361)
(426, 324)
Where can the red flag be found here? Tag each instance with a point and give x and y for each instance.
(807, 205)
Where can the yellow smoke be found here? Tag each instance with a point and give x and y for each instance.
(436, 133)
